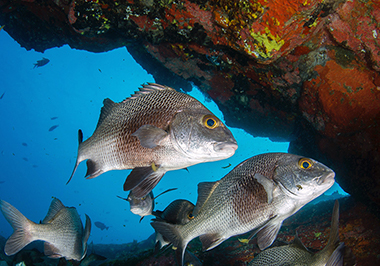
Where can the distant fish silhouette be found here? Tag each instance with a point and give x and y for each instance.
(225, 167)
(53, 127)
(24, 144)
(101, 226)
(2, 182)
(2, 95)
(25, 159)
(41, 62)
(53, 118)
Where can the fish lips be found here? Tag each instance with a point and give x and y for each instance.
(330, 177)
(227, 148)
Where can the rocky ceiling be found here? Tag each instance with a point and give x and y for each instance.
(304, 71)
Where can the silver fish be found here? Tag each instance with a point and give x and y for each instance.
(177, 212)
(297, 254)
(143, 206)
(258, 194)
(62, 230)
(154, 131)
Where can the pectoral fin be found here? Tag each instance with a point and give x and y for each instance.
(150, 136)
(267, 184)
(268, 234)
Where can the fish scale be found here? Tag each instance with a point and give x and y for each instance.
(257, 195)
(154, 131)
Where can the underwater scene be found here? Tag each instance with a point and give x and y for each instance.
(111, 158)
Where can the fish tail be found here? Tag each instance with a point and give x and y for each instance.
(171, 232)
(21, 226)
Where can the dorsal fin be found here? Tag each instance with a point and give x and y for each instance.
(205, 189)
(55, 206)
(298, 244)
(146, 89)
(333, 241)
(108, 105)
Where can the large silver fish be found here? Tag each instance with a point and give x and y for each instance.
(62, 230)
(154, 131)
(258, 194)
(297, 254)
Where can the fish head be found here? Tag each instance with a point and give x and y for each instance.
(302, 178)
(141, 206)
(201, 136)
(179, 212)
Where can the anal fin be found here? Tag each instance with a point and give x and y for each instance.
(93, 169)
(51, 251)
(209, 241)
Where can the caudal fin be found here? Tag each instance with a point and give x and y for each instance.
(21, 226)
(171, 233)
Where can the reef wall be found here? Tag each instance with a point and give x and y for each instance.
(304, 71)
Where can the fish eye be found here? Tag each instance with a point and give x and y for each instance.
(305, 163)
(210, 121)
(190, 216)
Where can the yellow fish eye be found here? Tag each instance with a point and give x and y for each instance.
(305, 163)
(210, 121)
(190, 216)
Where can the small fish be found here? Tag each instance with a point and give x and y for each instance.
(177, 212)
(53, 118)
(101, 226)
(297, 254)
(225, 167)
(53, 127)
(100, 70)
(41, 62)
(2, 182)
(145, 205)
(62, 230)
(25, 159)
(154, 131)
(258, 194)
(24, 144)
(2, 95)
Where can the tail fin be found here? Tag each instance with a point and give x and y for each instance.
(80, 140)
(21, 226)
(170, 232)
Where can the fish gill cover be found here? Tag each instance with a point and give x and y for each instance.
(42, 108)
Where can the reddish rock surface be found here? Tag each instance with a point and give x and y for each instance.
(306, 71)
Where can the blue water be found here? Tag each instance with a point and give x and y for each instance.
(36, 163)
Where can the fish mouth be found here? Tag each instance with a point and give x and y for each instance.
(326, 178)
(228, 148)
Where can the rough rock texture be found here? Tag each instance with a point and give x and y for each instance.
(306, 71)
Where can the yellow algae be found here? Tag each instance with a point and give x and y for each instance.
(267, 43)
(243, 240)
(314, 24)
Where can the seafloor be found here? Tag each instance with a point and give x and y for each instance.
(358, 229)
